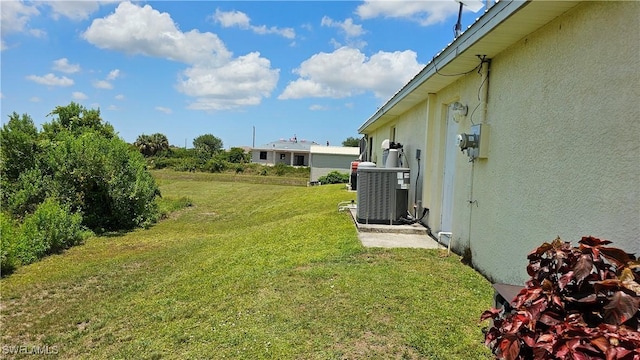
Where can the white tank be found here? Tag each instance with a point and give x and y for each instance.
(392, 159)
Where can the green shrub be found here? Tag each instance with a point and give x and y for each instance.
(101, 178)
(334, 177)
(27, 192)
(50, 229)
(215, 165)
(163, 162)
(280, 169)
(186, 164)
(8, 236)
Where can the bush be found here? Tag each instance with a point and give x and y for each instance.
(215, 165)
(78, 160)
(334, 177)
(186, 164)
(50, 229)
(280, 168)
(101, 178)
(8, 236)
(27, 192)
(580, 303)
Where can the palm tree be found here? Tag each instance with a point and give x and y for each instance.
(150, 145)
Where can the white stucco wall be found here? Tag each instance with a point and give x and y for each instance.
(410, 131)
(565, 140)
(564, 146)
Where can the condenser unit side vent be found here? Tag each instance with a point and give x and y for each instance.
(382, 194)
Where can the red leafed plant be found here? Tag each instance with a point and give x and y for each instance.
(580, 303)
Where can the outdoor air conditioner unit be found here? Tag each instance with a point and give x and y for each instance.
(382, 193)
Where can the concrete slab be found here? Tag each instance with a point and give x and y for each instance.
(392, 240)
(393, 236)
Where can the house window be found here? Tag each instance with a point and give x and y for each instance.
(299, 160)
(263, 155)
(282, 156)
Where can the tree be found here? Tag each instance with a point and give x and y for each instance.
(150, 145)
(18, 146)
(77, 119)
(351, 142)
(207, 145)
(77, 160)
(238, 155)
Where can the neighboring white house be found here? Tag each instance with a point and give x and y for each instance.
(290, 152)
(325, 159)
(555, 89)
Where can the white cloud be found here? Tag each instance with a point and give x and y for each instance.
(63, 65)
(14, 18)
(35, 99)
(102, 84)
(113, 108)
(51, 80)
(243, 81)
(113, 74)
(38, 33)
(143, 30)
(241, 20)
(77, 95)
(15, 15)
(119, 97)
(347, 71)
(232, 18)
(214, 78)
(317, 107)
(423, 12)
(350, 29)
(163, 109)
(74, 10)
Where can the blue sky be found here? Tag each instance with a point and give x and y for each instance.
(313, 69)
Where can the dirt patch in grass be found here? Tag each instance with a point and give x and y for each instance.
(374, 346)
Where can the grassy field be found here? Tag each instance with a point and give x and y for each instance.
(250, 271)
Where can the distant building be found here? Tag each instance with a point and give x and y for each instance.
(325, 159)
(290, 152)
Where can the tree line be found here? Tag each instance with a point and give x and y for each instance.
(207, 155)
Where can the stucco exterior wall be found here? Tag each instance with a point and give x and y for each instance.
(564, 146)
(564, 154)
(255, 157)
(279, 156)
(410, 131)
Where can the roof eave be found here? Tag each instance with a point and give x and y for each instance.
(456, 57)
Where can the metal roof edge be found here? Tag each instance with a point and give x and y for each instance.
(491, 19)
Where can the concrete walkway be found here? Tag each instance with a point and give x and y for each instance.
(393, 236)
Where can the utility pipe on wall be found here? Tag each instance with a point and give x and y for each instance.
(483, 96)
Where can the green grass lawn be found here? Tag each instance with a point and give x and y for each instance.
(250, 271)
